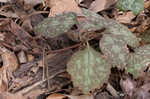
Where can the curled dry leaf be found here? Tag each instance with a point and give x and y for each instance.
(60, 6)
(88, 69)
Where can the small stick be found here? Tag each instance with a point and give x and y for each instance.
(112, 90)
(43, 61)
(65, 49)
(26, 90)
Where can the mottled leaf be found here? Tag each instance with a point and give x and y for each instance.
(96, 22)
(139, 60)
(136, 6)
(93, 22)
(54, 26)
(143, 50)
(116, 28)
(93, 17)
(88, 69)
(115, 49)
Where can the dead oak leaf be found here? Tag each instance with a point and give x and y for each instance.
(60, 6)
(9, 59)
(56, 96)
(63, 96)
(10, 64)
(7, 95)
(125, 17)
(99, 5)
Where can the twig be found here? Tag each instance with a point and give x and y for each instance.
(64, 49)
(112, 90)
(43, 63)
(26, 90)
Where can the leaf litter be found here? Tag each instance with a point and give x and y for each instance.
(50, 48)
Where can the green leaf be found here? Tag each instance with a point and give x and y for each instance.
(88, 69)
(118, 29)
(54, 26)
(143, 50)
(139, 60)
(97, 22)
(136, 6)
(94, 17)
(115, 49)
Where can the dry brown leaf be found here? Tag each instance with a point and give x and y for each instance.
(30, 57)
(79, 1)
(60, 6)
(4, 1)
(26, 25)
(10, 61)
(84, 3)
(99, 5)
(143, 26)
(147, 4)
(125, 17)
(33, 2)
(23, 36)
(6, 95)
(3, 80)
(10, 64)
(81, 97)
(62, 96)
(2, 36)
(22, 57)
(56, 96)
(9, 14)
(128, 86)
(34, 93)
